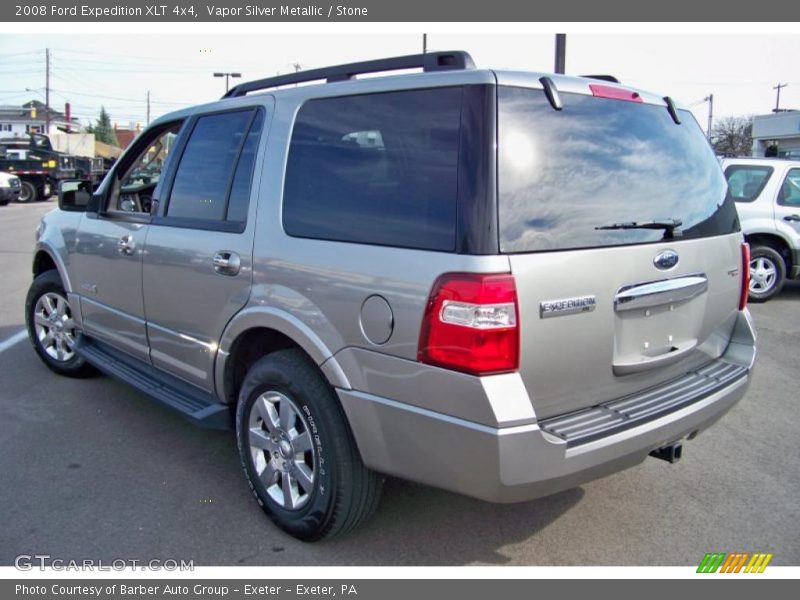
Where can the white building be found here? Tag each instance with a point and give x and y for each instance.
(779, 131)
(20, 121)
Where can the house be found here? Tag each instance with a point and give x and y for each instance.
(126, 136)
(777, 134)
(20, 121)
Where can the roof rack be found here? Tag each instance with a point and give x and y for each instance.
(609, 78)
(431, 61)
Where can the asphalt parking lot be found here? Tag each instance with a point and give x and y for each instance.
(92, 469)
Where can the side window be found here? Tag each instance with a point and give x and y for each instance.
(746, 182)
(240, 190)
(205, 177)
(790, 190)
(140, 178)
(376, 169)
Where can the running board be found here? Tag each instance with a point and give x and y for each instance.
(199, 407)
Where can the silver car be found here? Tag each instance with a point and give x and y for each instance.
(767, 196)
(496, 283)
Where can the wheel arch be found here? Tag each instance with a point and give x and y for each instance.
(44, 259)
(258, 331)
(774, 241)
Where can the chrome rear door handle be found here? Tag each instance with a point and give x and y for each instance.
(657, 293)
(227, 263)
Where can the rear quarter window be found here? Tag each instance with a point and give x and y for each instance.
(790, 190)
(376, 169)
(746, 182)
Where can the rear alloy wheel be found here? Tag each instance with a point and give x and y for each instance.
(298, 452)
(283, 455)
(28, 193)
(767, 273)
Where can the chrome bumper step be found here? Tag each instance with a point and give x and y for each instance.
(589, 424)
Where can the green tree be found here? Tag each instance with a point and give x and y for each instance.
(103, 130)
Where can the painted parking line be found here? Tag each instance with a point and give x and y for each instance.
(14, 339)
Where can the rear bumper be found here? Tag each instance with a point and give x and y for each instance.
(512, 464)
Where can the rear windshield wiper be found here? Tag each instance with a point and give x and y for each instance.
(671, 227)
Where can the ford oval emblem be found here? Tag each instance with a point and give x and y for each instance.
(666, 260)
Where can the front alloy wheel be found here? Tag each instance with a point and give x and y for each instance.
(55, 329)
(51, 328)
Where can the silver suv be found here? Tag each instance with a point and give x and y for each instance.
(767, 196)
(501, 284)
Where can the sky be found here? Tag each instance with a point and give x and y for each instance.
(118, 70)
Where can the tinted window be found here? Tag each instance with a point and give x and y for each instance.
(376, 169)
(745, 182)
(790, 190)
(598, 162)
(200, 189)
(240, 189)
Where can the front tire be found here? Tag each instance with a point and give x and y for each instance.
(297, 451)
(51, 328)
(767, 273)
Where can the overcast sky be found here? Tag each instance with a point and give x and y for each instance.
(118, 70)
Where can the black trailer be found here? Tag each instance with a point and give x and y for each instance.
(38, 166)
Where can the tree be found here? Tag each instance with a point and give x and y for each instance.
(103, 130)
(733, 136)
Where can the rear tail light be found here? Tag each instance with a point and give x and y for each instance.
(614, 93)
(745, 276)
(471, 324)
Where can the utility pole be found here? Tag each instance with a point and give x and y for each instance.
(424, 43)
(778, 98)
(148, 107)
(561, 52)
(47, 91)
(710, 100)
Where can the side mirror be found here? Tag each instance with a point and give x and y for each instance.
(74, 195)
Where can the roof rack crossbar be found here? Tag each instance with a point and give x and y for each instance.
(431, 61)
(609, 78)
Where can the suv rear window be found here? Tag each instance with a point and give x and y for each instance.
(597, 162)
(745, 182)
(376, 169)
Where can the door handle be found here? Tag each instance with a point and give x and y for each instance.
(790, 218)
(126, 245)
(227, 263)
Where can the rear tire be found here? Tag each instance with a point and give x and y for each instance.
(297, 451)
(767, 273)
(51, 329)
(28, 193)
